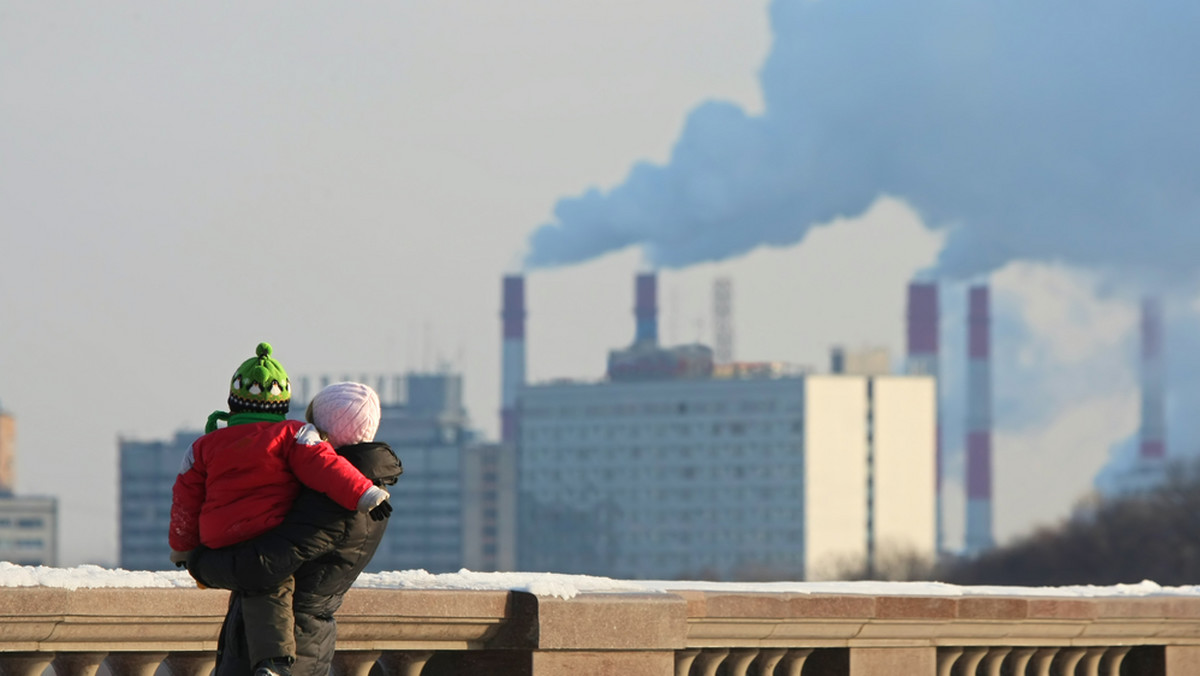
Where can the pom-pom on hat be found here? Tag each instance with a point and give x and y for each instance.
(260, 385)
(348, 413)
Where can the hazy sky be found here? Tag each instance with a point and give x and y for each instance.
(179, 182)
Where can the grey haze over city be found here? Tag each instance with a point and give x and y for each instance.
(350, 184)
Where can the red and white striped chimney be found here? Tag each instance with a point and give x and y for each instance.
(1154, 421)
(923, 323)
(979, 422)
(512, 366)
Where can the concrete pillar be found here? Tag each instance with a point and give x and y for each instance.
(346, 663)
(190, 664)
(405, 662)
(77, 664)
(134, 664)
(1181, 660)
(24, 664)
(994, 660)
(891, 661)
(1110, 664)
(793, 662)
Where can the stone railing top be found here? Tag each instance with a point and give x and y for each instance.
(92, 608)
(568, 586)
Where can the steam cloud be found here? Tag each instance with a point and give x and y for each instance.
(1029, 130)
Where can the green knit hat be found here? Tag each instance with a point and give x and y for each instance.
(260, 385)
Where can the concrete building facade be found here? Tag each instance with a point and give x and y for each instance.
(792, 476)
(146, 474)
(29, 530)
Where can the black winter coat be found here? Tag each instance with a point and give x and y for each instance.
(322, 544)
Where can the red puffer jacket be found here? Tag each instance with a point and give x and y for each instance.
(240, 481)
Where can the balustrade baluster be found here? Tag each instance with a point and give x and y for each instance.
(347, 663)
(1018, 660)
(709, 660)
(1090, 665)
(971, 657)
(994, 660)
(739, 660)
(190, 664)
(764, 665)
(405, 662)
(683, 661)
(1110, 664)
(77, 664)
(1039, 664)
(793, 662)
(1067, 659)
(24, 664)
(946, 657)
(134, 664)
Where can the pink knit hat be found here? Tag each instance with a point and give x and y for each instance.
(348, 413)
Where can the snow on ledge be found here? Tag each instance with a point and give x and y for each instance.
(568, 586)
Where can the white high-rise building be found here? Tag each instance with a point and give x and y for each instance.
(799, 476)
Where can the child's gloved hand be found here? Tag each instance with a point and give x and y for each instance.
(372, 498)
(179, 558)
(383, 511)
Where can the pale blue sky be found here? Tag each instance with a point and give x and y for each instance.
(179, 182)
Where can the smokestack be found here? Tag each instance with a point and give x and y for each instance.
(923, 324)
(979, 423)
(723, 320)
(512, 373)
(1153, 431)
(646, 308)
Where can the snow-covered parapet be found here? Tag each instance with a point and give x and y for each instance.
(568, 586)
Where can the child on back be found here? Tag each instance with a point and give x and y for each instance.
(239, 481)
(322, 546)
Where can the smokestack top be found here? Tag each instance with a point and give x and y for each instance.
(1152, 329)
(646, 307)
(513, 312)
(979, 341)
(922, 318)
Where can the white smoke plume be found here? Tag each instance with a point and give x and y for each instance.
(1058, 132)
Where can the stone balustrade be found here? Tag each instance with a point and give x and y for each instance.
(134, 632)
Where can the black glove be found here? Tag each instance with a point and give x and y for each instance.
(383, 511)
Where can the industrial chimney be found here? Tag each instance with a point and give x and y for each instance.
(512, 368)
(923, 325)
(1153, 430)
(646, 308)
(979, 423)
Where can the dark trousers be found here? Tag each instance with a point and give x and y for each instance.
(270, 624)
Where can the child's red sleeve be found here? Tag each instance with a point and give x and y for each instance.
(320, 468)
(186, 499)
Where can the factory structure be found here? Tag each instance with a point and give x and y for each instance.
(677, 462)
(678, 465)
(1151, 465)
